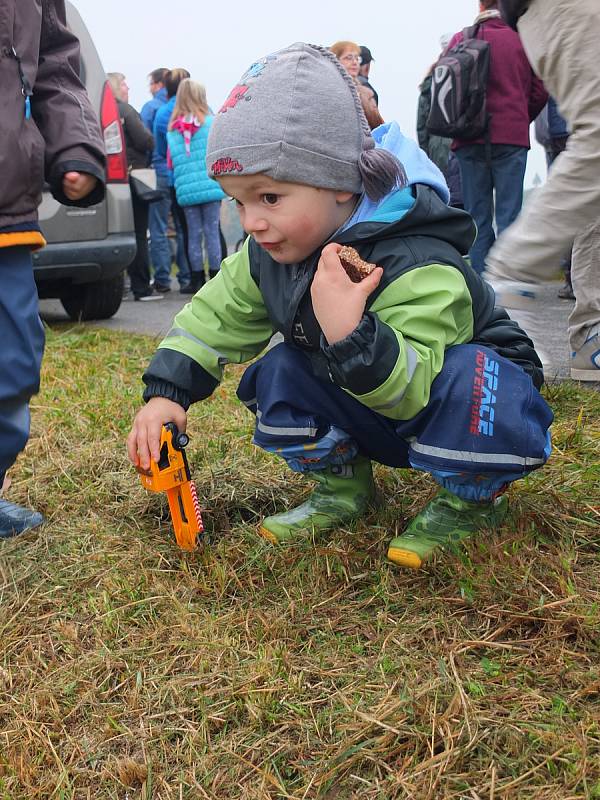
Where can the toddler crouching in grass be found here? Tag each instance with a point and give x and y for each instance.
(412, 367)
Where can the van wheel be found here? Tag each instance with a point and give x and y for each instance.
(98, 300)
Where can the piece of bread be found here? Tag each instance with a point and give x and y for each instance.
(355, 267)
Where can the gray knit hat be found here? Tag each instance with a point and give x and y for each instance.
(296, 116)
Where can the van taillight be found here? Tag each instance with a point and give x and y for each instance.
(114, 141)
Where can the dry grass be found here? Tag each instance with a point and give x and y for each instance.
(129, 669)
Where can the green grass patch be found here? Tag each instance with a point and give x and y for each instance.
(129, 669)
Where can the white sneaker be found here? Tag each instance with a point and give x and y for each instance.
(585, 362)
(145, 298)
(519, 300)
(512, 294)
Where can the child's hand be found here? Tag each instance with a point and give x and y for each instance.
(339, 304)
(77, 185)
(144, 440)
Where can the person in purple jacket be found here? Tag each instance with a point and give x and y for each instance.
(515, 96)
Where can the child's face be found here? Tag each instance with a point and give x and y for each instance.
(289, 220)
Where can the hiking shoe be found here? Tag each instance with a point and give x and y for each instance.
(441, 525)
(519, 300)
(162, 288)
(15, 519)
(197, 280)
(144, 298)
(342, 494)
(585, 362)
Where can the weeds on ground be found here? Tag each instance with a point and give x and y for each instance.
(129, 669)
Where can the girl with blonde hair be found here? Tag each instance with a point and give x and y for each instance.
(198, 195)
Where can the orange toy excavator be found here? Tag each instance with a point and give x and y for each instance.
(171, 474)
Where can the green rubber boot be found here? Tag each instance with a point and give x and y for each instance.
(444, 522)
(342, 494)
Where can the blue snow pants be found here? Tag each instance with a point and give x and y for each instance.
(21, 350)
(485, 424)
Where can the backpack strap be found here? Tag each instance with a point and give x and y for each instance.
(472, 31)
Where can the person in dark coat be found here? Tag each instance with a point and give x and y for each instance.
(139, 143)
(364, 71)
(48, 132)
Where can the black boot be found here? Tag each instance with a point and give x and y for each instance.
(212, 273)
(196, 282)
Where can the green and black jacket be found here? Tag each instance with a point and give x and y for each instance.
(428, 299)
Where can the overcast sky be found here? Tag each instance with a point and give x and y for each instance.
(216, 41)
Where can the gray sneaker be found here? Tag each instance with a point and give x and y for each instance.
(15, 519)
(585, 362)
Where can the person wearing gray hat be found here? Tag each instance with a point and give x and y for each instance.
(372, 366)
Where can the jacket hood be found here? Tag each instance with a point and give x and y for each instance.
(421, 208)
(428, 216)
(419, 170)
(418, 167)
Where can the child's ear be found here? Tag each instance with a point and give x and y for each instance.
(343, 197)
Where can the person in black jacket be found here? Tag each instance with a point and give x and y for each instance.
(511, 10)
(365, 68)
(140, 144)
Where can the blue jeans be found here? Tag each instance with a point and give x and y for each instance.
(22, 336)
(181, 237)
(158, 218)
(504, 173)
(203, 222)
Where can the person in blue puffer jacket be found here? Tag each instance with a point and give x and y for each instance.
(198, 195)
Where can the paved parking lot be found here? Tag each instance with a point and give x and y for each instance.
(155, 319)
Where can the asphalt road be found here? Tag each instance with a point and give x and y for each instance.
(155, 319)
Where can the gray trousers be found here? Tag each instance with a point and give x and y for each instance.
(562, 42)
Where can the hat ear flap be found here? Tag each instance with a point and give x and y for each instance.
(380, 171)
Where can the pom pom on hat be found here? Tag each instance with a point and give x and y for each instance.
(380, 171)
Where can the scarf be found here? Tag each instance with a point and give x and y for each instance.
(187, 127)
(491, 13)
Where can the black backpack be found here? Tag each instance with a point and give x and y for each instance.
(458, 89)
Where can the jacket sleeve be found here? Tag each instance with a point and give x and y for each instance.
(160, 135)
(140, 136)
(225, 322)
(391, 359)
(538, 96)
(147, 115)
(62, 110)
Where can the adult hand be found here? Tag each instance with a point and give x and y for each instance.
(144, 440)
(77, 185)
(338, 303)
